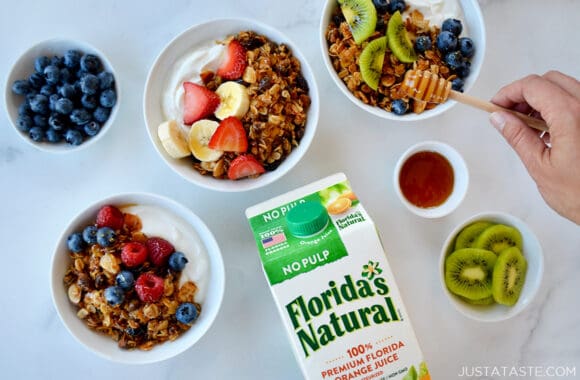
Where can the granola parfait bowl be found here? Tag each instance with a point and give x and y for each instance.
(137, 278)
(231, 105)
(368, 47)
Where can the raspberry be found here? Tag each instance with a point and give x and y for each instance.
(134, 254)
(149, 287)
(159, 250)
(110, 216)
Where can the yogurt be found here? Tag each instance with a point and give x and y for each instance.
(158, 222)
(436, 11)
(189, 69)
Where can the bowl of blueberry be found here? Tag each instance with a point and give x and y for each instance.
(369, 45)
(61, 95)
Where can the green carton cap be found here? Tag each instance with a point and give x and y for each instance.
(307, 219)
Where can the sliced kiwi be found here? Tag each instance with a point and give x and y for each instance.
(371, 61)
(468, 272)
(483, 302)
(467, 236)
(399, 41)
(499, 237)
(509, 275)
(361, 16)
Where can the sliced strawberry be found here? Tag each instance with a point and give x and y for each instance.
(230, 136)
(159, 250)
(234, 63)
(149, 287)
(198, 102)
(110, 216)
(134, 254)
(245, 165)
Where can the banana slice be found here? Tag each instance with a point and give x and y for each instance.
(234, 100)
(172, 139)
(198, 138)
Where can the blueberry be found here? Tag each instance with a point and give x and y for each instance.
(422, 44)
(125, 280)
(452, 25)
(135, 331)
(57, 122)
(80, 116)
(102, 114)
(399, 107)
(40, 121)
(90, 102)
(67, 91)
(108, 98)
(186, 313)
(47, 90)
(25, 122)
(114, 295)
(72, 59)
(53, 136)
(39, 104)
(65, 75)
(36, 80)
(177, 261)
(397, 5)
(105, 235)
(446, 42)
(64, 106)
(90, 63)
(90, 234)
(40, 63)
(457, 84)
(89, 84)
(91, 128)
(74, 137)
(36, 134)
(466, 47)
(382, 6)
(24, 109)
(75, 242)
(106, 80)
(52, 99)
(52, 74)
(453, 60)
(21, 87)
(463, 70)
(57, 61)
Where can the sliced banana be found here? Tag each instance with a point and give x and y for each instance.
(172, 139)
(234, 100)
(198, 138)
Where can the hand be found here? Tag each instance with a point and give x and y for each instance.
(553, 163)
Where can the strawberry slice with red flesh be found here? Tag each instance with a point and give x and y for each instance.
(198, 103)
(243, 166)
(230, 136)
(234, 63)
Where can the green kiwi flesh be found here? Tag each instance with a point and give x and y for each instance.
(481, 302)
(371, 61)
(399, 41)
(509, 275)
(499, 237)
(466, 238)
(468, 272)
(361, 16)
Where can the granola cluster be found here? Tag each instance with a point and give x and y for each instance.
(133, 323)
(344, 54)
(279, 103)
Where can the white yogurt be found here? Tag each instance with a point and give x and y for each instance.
(160, 223)
(189, 69)
(436, 11)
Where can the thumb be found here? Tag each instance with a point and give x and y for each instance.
(521, 137)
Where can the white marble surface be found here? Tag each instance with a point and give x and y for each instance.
(39, 193)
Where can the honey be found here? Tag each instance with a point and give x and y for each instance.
(426, 179)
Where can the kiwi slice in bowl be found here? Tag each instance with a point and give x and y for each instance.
(468, 272)
(399, 41)
(481, 302)
(509, 276)
(466, 238)
(499, 237)
(371, 62)
(361, 16)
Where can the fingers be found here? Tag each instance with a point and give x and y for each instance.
(568, 83)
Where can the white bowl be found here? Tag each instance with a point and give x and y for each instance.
(475, 25)
(532, 251)
(460, 182)
(24, 67)
(105, 346)
(184, 44)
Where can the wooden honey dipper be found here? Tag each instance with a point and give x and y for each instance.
(429, 87)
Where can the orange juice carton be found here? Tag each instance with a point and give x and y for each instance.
(333, 285)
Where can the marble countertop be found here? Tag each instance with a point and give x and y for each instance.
(41, 192)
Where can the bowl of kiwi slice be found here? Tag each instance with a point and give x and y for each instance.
(491, 266)
(368, 46)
